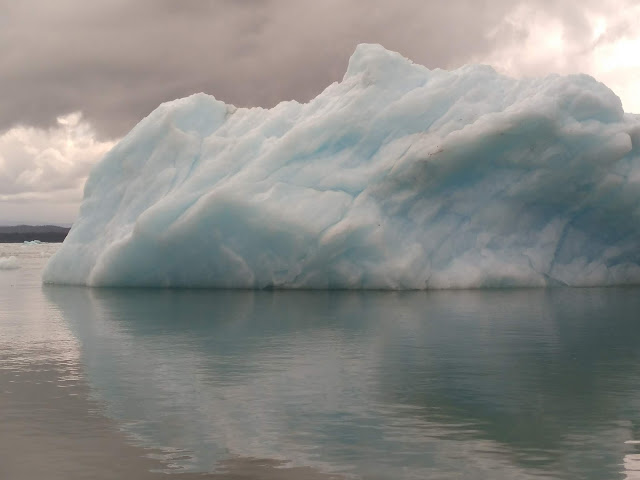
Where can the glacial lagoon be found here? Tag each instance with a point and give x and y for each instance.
(478, 384)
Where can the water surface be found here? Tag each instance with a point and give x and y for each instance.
(378, 385)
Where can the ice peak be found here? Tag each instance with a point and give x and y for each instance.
(377, 62)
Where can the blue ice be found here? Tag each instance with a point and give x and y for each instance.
(397, 177)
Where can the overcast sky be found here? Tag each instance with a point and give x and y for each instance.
(77, 75)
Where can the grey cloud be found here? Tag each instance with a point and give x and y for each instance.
(116, 60)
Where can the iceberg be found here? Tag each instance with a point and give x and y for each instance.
(397, 177)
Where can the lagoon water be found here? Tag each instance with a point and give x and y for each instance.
(502, 384)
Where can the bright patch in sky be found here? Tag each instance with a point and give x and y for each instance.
(542, 45)
(42, 172)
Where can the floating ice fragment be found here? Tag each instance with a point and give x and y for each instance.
(32, 242)
(9, 263)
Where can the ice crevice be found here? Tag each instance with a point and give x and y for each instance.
(397, 177)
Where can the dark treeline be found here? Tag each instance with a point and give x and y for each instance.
(23, 233)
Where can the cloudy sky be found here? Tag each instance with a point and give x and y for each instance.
(76, 75)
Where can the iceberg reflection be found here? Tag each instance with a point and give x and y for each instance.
(492, 384)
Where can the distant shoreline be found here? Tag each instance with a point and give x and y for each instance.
(28, 233)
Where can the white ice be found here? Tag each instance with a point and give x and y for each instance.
(9, 263)
(398, 177)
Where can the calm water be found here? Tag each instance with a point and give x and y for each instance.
(441, 385)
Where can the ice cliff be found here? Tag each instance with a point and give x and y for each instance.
(397, 177)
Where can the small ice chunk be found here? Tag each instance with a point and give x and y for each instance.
(9, 263)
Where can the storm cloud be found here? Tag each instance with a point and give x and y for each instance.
(116, 60)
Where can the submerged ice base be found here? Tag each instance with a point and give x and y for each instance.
(398, 177)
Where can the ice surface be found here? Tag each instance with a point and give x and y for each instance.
(398, 177)
(9, 263)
